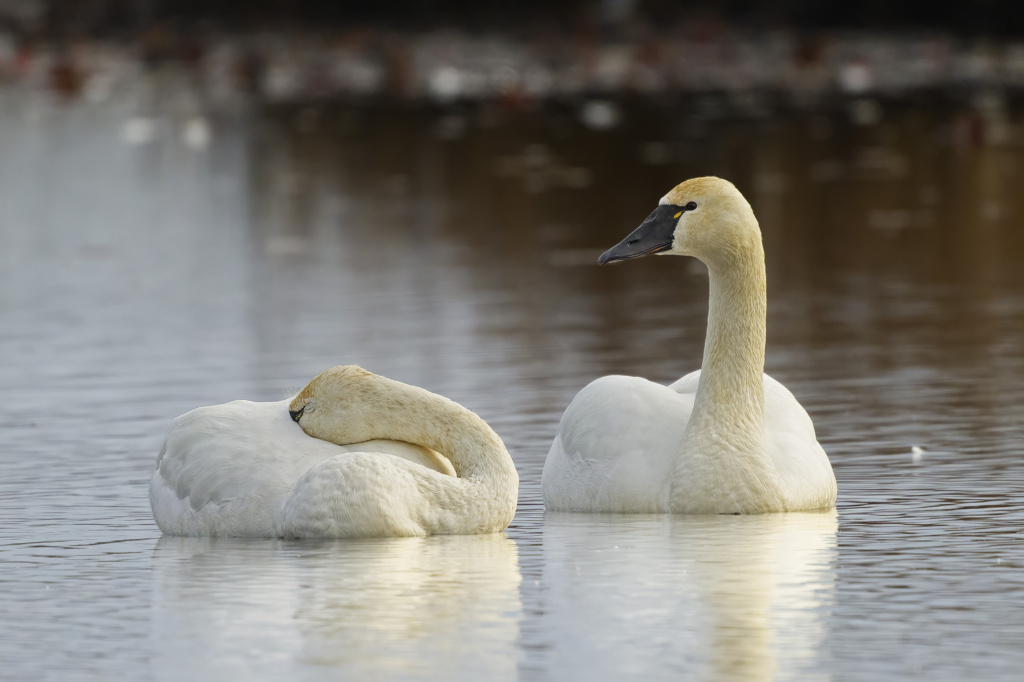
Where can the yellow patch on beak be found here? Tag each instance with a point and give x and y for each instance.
(678, 214)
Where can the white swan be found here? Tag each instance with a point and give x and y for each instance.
(724, 439)
(247, 469)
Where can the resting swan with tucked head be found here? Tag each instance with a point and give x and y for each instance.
(724, 439)
(247, 469)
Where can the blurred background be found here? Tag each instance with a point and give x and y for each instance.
(854, 127)
(205, 201)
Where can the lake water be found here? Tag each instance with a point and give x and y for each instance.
(455, 250)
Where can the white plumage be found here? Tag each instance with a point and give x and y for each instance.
(247, 469)
(724, 439)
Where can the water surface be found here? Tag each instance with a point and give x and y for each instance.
(455, 250)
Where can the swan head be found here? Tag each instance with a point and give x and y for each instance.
(706, 218)
(338, 405)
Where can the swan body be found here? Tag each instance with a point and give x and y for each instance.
(724, 439)
(360, 456)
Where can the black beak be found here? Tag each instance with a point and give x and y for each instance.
(295, 414)
(654, 234)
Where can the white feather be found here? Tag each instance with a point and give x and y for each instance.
(724, 439)
(246, 469)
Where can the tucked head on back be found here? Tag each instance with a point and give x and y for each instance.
(338, 403)
(706, 218)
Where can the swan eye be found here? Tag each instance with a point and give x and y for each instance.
(309, 406)
(690, 206)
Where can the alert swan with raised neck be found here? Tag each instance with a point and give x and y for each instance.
(352, 455)
(722, 440)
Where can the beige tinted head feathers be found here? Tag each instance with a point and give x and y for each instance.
(347, 405)
(337, 404)
(706, 218)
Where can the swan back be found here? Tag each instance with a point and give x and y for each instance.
(227, 469)
(601, 461)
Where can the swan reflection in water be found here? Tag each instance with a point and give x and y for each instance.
(399, 608)
(711, 597)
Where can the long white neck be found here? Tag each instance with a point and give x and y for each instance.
(473, 448)
(392, 410)
(489, 483)
(730, 394)
(725, 436)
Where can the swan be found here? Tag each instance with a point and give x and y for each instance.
(726, 439)
(352, 455)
